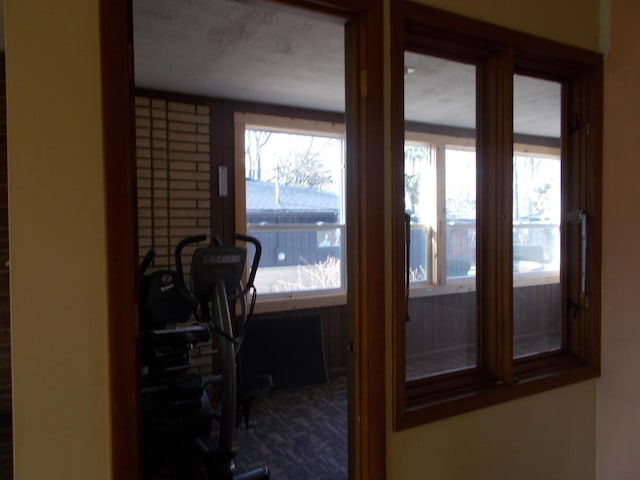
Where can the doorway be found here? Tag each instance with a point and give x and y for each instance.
(366, 270)
(198, 65)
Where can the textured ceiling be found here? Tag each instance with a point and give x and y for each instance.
(251, 50)
(239, 50)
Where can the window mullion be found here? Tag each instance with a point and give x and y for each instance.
(495, 249)
(440, 253)
(505, 156)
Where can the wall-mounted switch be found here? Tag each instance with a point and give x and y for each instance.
(223, 182)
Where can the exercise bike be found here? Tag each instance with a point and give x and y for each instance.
(177, 413)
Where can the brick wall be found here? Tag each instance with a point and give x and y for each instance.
(172, 155)
(174, 187)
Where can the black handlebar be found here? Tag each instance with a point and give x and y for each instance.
(150, 255)
(256, 258)
(146, 261)
(178, 256)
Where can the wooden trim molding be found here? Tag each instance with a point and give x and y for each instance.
(366, 225)
(119, 164)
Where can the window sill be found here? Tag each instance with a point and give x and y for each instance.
(435, 398)
(297, 301)
(468, 284)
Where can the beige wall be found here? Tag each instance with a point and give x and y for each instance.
(543, 437)
(619, 392)
(58, 269)
(576, 22)
(56, 197)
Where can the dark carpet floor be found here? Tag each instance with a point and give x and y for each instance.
(300, 433)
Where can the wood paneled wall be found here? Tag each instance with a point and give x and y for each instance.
(335, 329)
(441, 322)
(445, 322)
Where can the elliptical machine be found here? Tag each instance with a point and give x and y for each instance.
(177, 414)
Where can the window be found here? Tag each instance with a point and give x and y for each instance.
(496, 215)
(440, 202)
(446, 167)
(292, 197)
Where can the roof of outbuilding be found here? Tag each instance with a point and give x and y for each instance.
(262, 196)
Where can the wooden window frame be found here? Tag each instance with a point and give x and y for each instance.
(499, 53)
(297, 299)
(440, 284)
(437, 281)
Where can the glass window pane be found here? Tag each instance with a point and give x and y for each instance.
(537, 312)
(440, 199)
(419, 187)
(295, 207)
(460, 187)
